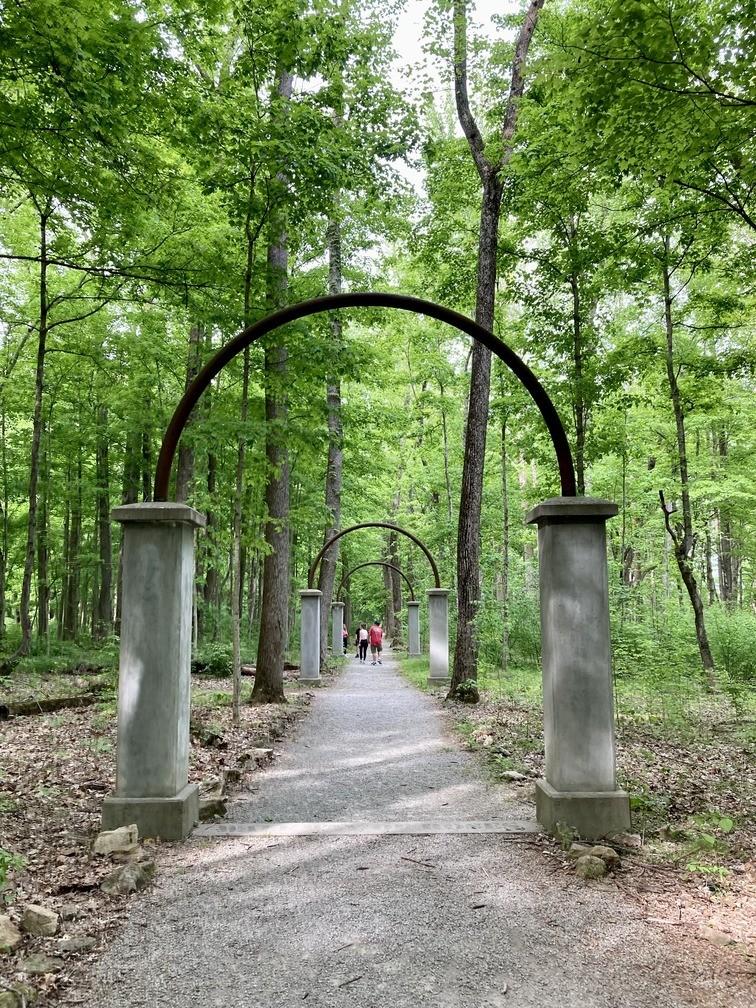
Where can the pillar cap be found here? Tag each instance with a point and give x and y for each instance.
(157, 512)
(334, 604)
(439, 591)
(414, 602)
(310, 592)
(571, 509)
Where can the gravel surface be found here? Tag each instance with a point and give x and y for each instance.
(406, 921)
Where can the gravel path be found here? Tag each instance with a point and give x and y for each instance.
(406, 921)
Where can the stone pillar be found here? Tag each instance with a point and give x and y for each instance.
(309, 669)
(438, 636)
(580, 787)
(413, 629)
(337, 628)
(154, 685)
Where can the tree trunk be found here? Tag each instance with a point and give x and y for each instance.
(129, 495)
(37, 421)
(683, 539)
(147, 458)
(103, 615)
(394, 582)
(490, 173)
(237, 583)
(728, 581)
(43, 546)
(70, 606)
(502, 585)
(185, 464)
(4, 532)
(334, 468)
(210, 588)
(579, 408)
(274, 616)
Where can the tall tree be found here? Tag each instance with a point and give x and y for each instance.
(274, 616)
(491, 170)
(335, 461)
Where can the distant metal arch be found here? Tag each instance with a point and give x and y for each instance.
(353, 528)
(376, 563)
(358, 300)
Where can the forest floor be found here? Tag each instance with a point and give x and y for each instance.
(692, 868)
(691, 862)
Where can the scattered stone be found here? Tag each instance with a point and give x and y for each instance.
(124, 838)
(39, 921)
(718, 938)
(10, 936)
(590, 867)
(627, 841)
(210, 808)
(129, 856)
(70, 911)
(232, 775)
(260, 755)
(18, 995)
(608, 855)
(128, 879)
(513, 775)
(578, 849)
(39, 963)
(77, 944)
(212, 788)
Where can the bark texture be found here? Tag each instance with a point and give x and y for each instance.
(274, 614)
(335, 464)
(465, 665)
(681, 533)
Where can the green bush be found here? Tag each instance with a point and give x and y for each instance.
(214, 660)
(8, 863)
(732, 636)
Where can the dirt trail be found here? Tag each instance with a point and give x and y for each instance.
(382, 917)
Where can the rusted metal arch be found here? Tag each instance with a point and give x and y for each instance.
(335, 301)
(377, 563)
(353, 528)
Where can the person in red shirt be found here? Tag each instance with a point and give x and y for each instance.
(375, 636)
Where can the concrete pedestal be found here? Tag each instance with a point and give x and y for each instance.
(155, 672)
(580, 786)
(309, 671)
(413, 629)
(438, 636)
(337, 628)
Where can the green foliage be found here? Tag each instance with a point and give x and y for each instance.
(8, 864)
(416, 670)
(214, 660)
(732, 633)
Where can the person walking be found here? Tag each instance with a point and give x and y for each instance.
(375, 636)
(362, 643)
(345, 636)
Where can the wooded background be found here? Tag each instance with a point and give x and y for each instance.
(172, 173)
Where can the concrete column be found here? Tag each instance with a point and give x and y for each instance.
(309, 671)
(154, 685)
(438, 634)
(337, 628)
(580, 787)
(413, 629)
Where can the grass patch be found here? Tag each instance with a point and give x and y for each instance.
(416, 670)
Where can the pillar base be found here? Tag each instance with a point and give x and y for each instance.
(594, 814)
(161, 818)
(439, 681)
(314, 681)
